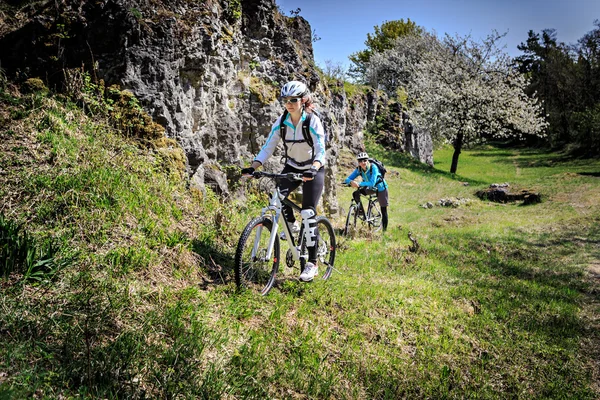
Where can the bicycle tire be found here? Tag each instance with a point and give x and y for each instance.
(326, 245)
(350, 227)
(374, 215)
(256, 274)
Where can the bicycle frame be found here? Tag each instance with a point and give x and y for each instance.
(274, 210)
(371, 199)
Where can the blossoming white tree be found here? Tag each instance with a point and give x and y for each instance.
(458, 89)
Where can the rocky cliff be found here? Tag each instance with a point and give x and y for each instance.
(208, 71)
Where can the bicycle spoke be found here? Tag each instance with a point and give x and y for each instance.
(252, 269)
(326, 246)
(350, 228)
(374, 215)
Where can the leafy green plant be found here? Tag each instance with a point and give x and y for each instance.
(121, 106)
(14, 246)
(233, 10)
(254, 64)
(136, 13)
(23, 255)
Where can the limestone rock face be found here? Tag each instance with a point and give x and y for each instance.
(209, 72)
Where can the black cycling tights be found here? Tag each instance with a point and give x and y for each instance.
(311, 194)
(384, 218)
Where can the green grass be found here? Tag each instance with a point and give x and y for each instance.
(498, 302)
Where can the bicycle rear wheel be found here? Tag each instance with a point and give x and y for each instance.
(374, 215)
(256, 272)
(326, 245)
(350, 227)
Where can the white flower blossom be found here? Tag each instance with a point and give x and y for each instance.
(458, 89)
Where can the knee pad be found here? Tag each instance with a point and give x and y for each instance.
(310, 226)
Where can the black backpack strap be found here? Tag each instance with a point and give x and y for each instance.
(282, 131)
(306, 130)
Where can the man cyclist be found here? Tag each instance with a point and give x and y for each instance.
(372, 182)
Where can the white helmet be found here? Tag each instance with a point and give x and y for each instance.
(362, 156)
(294, 89)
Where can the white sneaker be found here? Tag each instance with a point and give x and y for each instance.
(295, 229)
(310, 271)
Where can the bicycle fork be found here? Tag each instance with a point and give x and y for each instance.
(274, 211)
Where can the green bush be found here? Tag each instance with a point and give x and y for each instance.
(586, 128)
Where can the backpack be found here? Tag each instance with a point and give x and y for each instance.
(305, 134)
(380, 166)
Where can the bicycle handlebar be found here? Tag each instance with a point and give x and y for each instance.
(360, 187)
(292, 176)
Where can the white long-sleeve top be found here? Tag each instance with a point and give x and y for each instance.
(296, 152)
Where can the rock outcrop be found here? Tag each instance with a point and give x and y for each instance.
(500, 193)
(209, 72)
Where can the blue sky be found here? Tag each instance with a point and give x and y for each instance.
(343, 24)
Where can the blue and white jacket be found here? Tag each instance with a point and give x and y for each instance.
(370, 178)
(297, 152)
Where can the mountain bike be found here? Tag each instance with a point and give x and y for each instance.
(372, 218)
(257, 257)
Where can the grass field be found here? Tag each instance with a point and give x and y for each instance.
(128, 290)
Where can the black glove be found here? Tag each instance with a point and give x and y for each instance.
(310, 173)
(247, 171)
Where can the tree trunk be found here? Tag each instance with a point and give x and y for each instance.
(457, 147)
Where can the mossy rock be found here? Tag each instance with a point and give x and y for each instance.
(34, 85)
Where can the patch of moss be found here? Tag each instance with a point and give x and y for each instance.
(129, 116)
(173, 158)
(34, 85)
(266, 92)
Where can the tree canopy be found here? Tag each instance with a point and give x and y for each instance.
(382, 39)
(567, 78)
(458, 89)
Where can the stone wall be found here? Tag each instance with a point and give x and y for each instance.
(209, 73)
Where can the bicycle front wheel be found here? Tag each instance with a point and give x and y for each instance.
(326, 245)
(374, 215)
(252, 268)
(350, 228)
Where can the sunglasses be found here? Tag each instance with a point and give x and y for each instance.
(363, 160)
(293, 100)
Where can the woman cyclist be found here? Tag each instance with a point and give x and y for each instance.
(372, 182)
(300, 157)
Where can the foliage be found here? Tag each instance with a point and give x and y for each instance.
(22, 255)
(567, 79)
(382, 39)
(353, 89)
(121, 106)
(334, 71)
(460, 90)
(586, 128)
(34, 85)
(233, 10)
